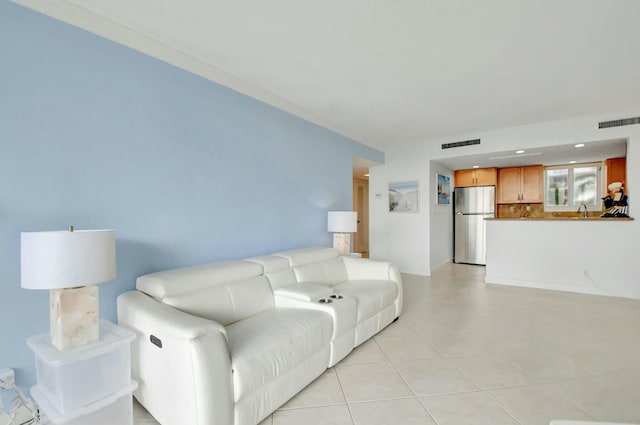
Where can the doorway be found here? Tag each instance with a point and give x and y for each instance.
(361, 206)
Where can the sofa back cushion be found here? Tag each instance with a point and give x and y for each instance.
(225, 292)
(277, 270)
(330, 272)
(299, 257)
(318, 265)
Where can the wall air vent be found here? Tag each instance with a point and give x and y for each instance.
(619, 123)
(460, 144)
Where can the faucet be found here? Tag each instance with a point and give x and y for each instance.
(585, 209)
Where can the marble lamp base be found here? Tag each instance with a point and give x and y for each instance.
(74, 317)
(342, 242)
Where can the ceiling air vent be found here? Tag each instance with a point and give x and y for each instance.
(619, 123)
(460, 144)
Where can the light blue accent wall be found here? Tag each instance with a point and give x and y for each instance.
(186, 171)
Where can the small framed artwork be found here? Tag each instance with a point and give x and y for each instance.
(403, 197)
(444, 189)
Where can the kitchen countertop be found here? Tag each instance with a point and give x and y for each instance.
(562, 219)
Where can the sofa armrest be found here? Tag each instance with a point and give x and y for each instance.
(366, 269)
(181, 362)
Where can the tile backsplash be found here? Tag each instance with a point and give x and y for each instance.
(536, 210)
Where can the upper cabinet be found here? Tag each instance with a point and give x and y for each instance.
(475, 177)
(616, 171)
(520, 185)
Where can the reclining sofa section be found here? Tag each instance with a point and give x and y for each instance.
(230, 342)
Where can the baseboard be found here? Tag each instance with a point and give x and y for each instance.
(439, 267)
(544, 285)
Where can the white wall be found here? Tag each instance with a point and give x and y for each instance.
(410, 242)
(400, 237)
(441, 221)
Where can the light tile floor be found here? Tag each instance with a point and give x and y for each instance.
(467, 353)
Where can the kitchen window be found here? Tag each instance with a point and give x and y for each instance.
(568, 186)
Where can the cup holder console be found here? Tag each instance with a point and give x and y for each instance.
(330, 299)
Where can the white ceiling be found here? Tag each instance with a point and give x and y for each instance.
(385, 71)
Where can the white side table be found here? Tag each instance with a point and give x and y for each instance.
(88, 384)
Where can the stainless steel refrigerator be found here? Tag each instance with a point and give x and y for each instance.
(472, 206)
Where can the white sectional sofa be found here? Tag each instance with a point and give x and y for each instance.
(229, 342)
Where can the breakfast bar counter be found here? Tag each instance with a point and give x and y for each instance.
(549, 253)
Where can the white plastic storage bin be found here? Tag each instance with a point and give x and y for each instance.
(116, 409)
(75, 378)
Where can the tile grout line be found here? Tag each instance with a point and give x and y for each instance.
(353, 421)
(448, 360)
(485, 392)
(548, 386)
(416, 396)
(501, 407)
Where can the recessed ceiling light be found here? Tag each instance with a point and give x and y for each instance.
(580, 145)
(476, 166)
(520, 151)
(515, 155)
(572, 162)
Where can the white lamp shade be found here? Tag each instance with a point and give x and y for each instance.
(63, 259)
(342, 221)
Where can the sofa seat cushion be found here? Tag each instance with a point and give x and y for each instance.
(272, 343)
(372, 296)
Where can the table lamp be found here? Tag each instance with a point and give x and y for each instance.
(342, 224)
(69, 264)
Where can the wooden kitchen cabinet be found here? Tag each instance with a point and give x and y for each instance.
(509, 185)
(616, 171)
(475, 177)
(521, 185)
